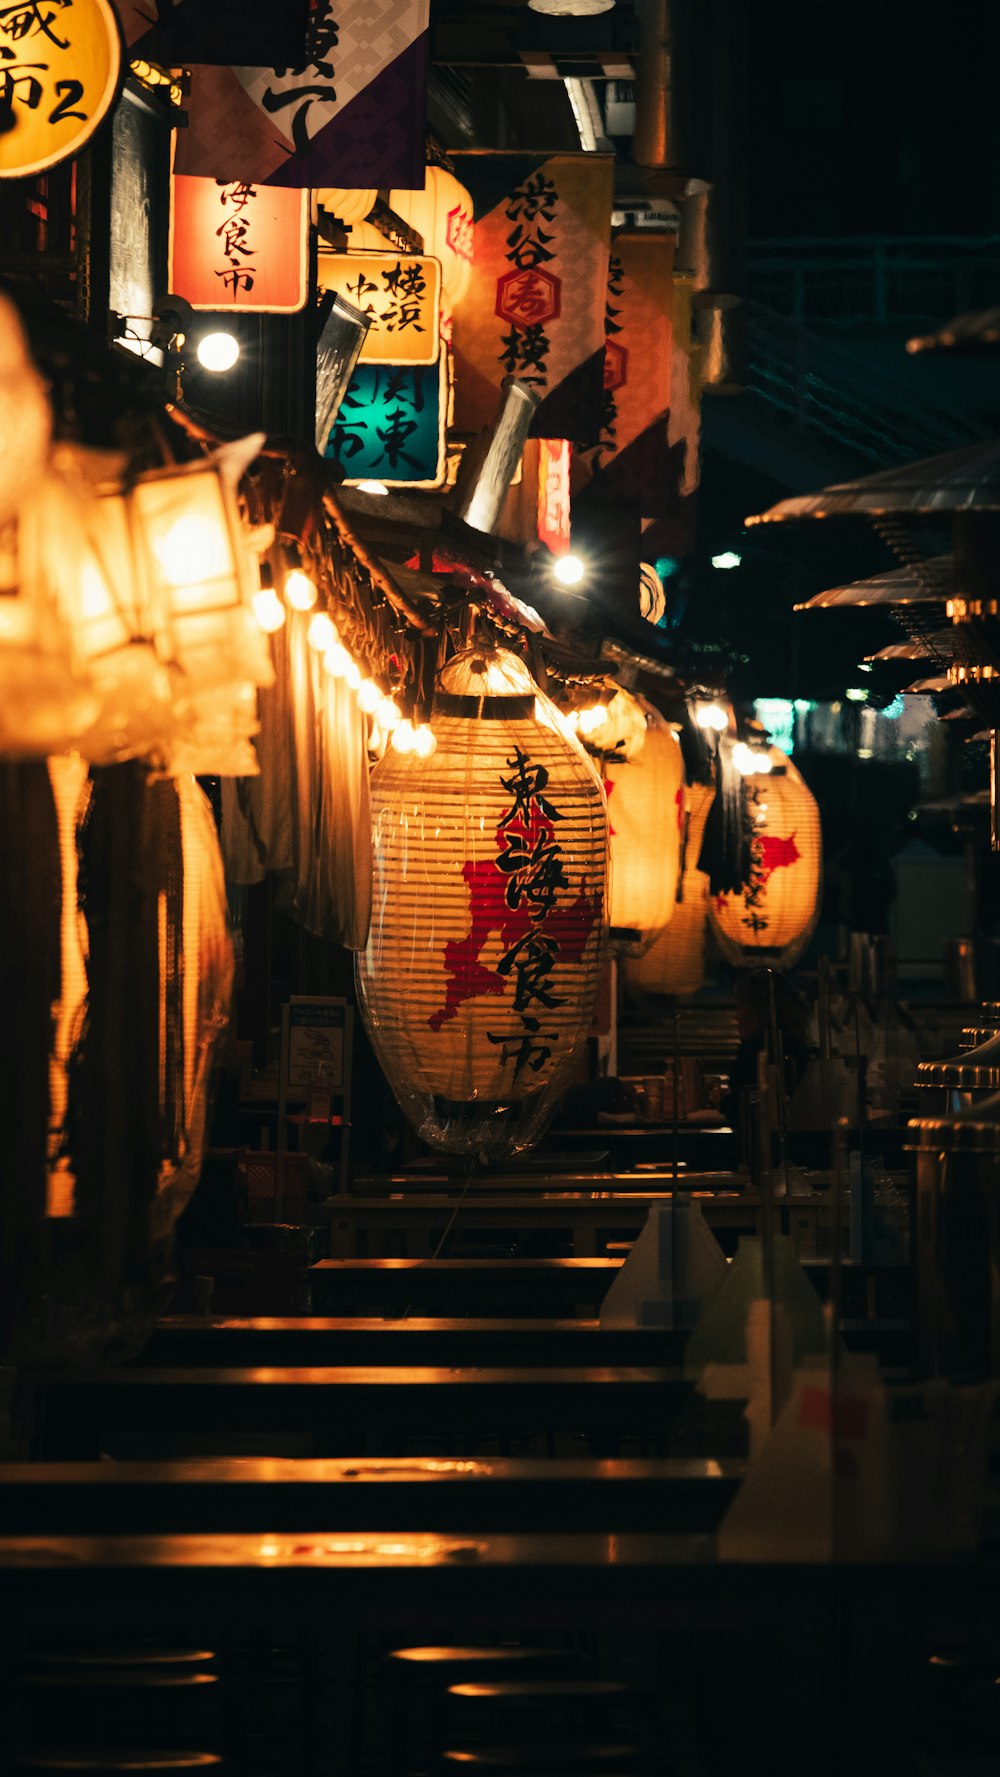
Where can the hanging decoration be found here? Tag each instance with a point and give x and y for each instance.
(352, 109)
(630, 456)
(112, 883)
(350, 204)
(645, 816)
(478, 982)
(553, 494)
(400, 293)
(674, 964)
(534, 307)
(442, 215)
(59, 73)
(391, 425)
(241, 247)
(771, 918)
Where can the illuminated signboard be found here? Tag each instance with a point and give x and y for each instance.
(401, 295)
(60, 63)
(239, 246)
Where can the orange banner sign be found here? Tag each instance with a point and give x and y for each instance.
(239, 246)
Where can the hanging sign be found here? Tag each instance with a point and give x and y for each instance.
(60, 63)
(553, 494)
(534, 306)
(630, 455)
(390, 426)
(401, 295)
(239, 246)
(352, 111)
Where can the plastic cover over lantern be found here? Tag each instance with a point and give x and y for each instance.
(645, 814)
(478, 983)
(772, 918)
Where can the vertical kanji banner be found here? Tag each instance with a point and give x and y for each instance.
(631, 457)
(355, 113)
(240, 246)
(534, 308)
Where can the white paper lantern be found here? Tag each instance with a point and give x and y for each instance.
(645, 815)
(771, 920)
(490, 868)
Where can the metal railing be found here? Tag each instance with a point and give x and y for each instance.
(874, 280)
(821, 384)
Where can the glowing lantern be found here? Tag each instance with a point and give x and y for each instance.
(645, 815)
(675, 961)
(479, 979)
(442, 215)
(771, 919)
(619, 728)
(350, 204)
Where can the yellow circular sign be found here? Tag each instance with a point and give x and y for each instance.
(60, 62)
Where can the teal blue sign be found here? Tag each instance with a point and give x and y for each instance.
(390, 426)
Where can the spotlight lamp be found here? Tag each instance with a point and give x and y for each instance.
(217, 352)
(569, 570)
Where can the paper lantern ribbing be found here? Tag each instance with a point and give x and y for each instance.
(645, 815)
(350, 204)
(675, 962)
(442, 214)
(771, 920)
(490, 872)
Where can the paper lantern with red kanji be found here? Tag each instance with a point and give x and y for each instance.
(442, 215)
(675, 962)
(772, 918)
(645, 815)
(490, 870)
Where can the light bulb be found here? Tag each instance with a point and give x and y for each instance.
(218, 351)
(372, 487)
(300, 591)
(369, 696)
(389, 715)
(193, 549)
(711, 715)
(322, 632)
(404, 739)
(424, 741)
(568, 570)
(728, 559)
(353, 675)
(268, 609)
(591, 718)
(337, 661)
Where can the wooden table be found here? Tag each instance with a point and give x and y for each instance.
(190, 1339)
(441, 1494)
(463, 1287)
(348, 1410)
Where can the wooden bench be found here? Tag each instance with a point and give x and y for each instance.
(348, 1410)
(358, 1493)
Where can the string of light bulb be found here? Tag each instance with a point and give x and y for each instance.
(388, 720)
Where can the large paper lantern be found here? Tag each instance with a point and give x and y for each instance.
(645, 815)
(675, 962)
(490, 869)
(442, 215)
(771, 919)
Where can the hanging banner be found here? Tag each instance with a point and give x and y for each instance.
(174, 35)
(390, 426)
(534, 307)
(400, 293)
(354, 113)
(239, 246)
(630, 456)
(60, 67)
(553, 494)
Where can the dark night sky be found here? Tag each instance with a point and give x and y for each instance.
(874, 118)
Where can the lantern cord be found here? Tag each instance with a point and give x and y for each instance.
(470, 1174)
